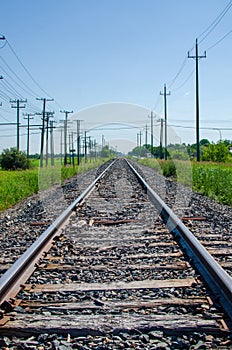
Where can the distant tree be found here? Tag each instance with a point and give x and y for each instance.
(216, 152)
(139, 152)
(178, 151)
(12, 159)
(227, 142)
(107, 152)
(204, 142)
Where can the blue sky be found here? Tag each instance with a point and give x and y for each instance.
(90, 52)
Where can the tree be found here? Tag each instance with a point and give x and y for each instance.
(139, 151)
(107, 152)
(216, 152)
(204, 142)
(12, 159)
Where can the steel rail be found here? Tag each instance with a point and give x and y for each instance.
(14, 273)
(215, 276)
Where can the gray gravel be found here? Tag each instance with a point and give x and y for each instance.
(17, 234)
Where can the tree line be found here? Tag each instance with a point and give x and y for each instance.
(209, 151)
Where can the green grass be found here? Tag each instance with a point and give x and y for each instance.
(19, 184)
(211, 179)
(214, 181)
(16, 185)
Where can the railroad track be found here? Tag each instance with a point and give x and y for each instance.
(115, 271)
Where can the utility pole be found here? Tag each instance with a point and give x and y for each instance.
(78, 140)
(140, 139)
(161, 138)
(18, 106)
(28, 117)
(43, 127)
(103, 141)
(165, 94)
(90, 148)
(48, 115)
(146, 135)
(52, 141)
(197, 57)
(85, 143)
(152, 131)
(65, 134)
(71, 148)
(95, 149)
(137, 139)
(61, 137)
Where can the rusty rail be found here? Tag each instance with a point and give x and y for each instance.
(11, 280)
(215, 276)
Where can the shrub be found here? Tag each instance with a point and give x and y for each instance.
(168, 168)
(12, 159)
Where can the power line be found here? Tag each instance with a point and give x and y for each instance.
(26, 70)
(178, 73)
(216, 21)
(11, 89)
(206, 32)
(219, 41)
(7, 120)
(32, 93)
(185, 81)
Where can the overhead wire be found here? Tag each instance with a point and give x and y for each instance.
(219, 41)
(7, 120)
(178, 73)
(216, 21)
(32, 93)
(9, 87)
(204, 34)
(26, 88)
(26, 70)
(185, 81)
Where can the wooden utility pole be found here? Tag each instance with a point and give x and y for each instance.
(71, 148)
(165, 94)
(43, 127)
(197, 57)
(140, 139)
(61, 151)
(65, 134)
(48, 115)
(78, 140)
(146, 135)
(18, 106)
(152, 131)
(29, 117)
(161, 138)
(85, 143)
(52, 141)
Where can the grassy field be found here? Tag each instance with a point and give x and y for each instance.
(210, 179)
(17, 185)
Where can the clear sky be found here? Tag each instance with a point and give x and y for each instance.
(85, 53)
